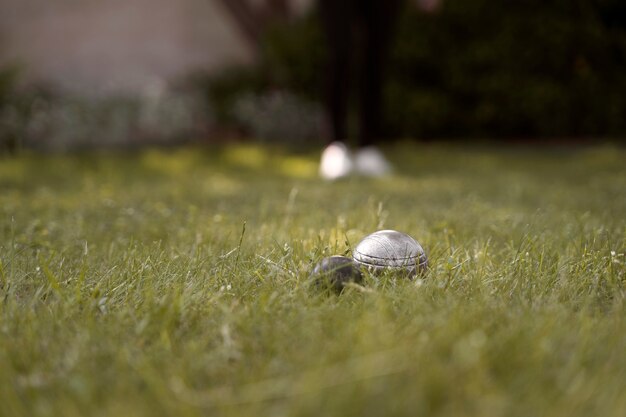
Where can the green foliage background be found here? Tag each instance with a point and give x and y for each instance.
(475, 68)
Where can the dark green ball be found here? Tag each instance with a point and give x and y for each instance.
(334, 272)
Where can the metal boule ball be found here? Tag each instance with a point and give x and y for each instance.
(334, 272)
(389, 250)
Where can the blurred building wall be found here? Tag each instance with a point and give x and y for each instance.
(103, 46)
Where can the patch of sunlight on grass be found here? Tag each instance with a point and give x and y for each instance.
(253, 157)
(297, 167)
(426, 183)
(481, 162)
(171, 163)
(602, 157)
(222, 185)
(258, 158)
(13, 169)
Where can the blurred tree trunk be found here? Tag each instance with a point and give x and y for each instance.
(252, 17)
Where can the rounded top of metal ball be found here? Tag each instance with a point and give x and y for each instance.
(389, 248)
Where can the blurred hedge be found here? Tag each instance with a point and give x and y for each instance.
(515, 68)
(541, 68)
(14, 106)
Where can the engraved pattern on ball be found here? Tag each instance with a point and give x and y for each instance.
(390, 250)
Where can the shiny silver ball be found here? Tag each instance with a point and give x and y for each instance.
(388, 250)
(334, 272)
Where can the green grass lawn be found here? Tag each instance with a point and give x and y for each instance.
(129, 285)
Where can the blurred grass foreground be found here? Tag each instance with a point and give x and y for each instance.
(177, 284)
